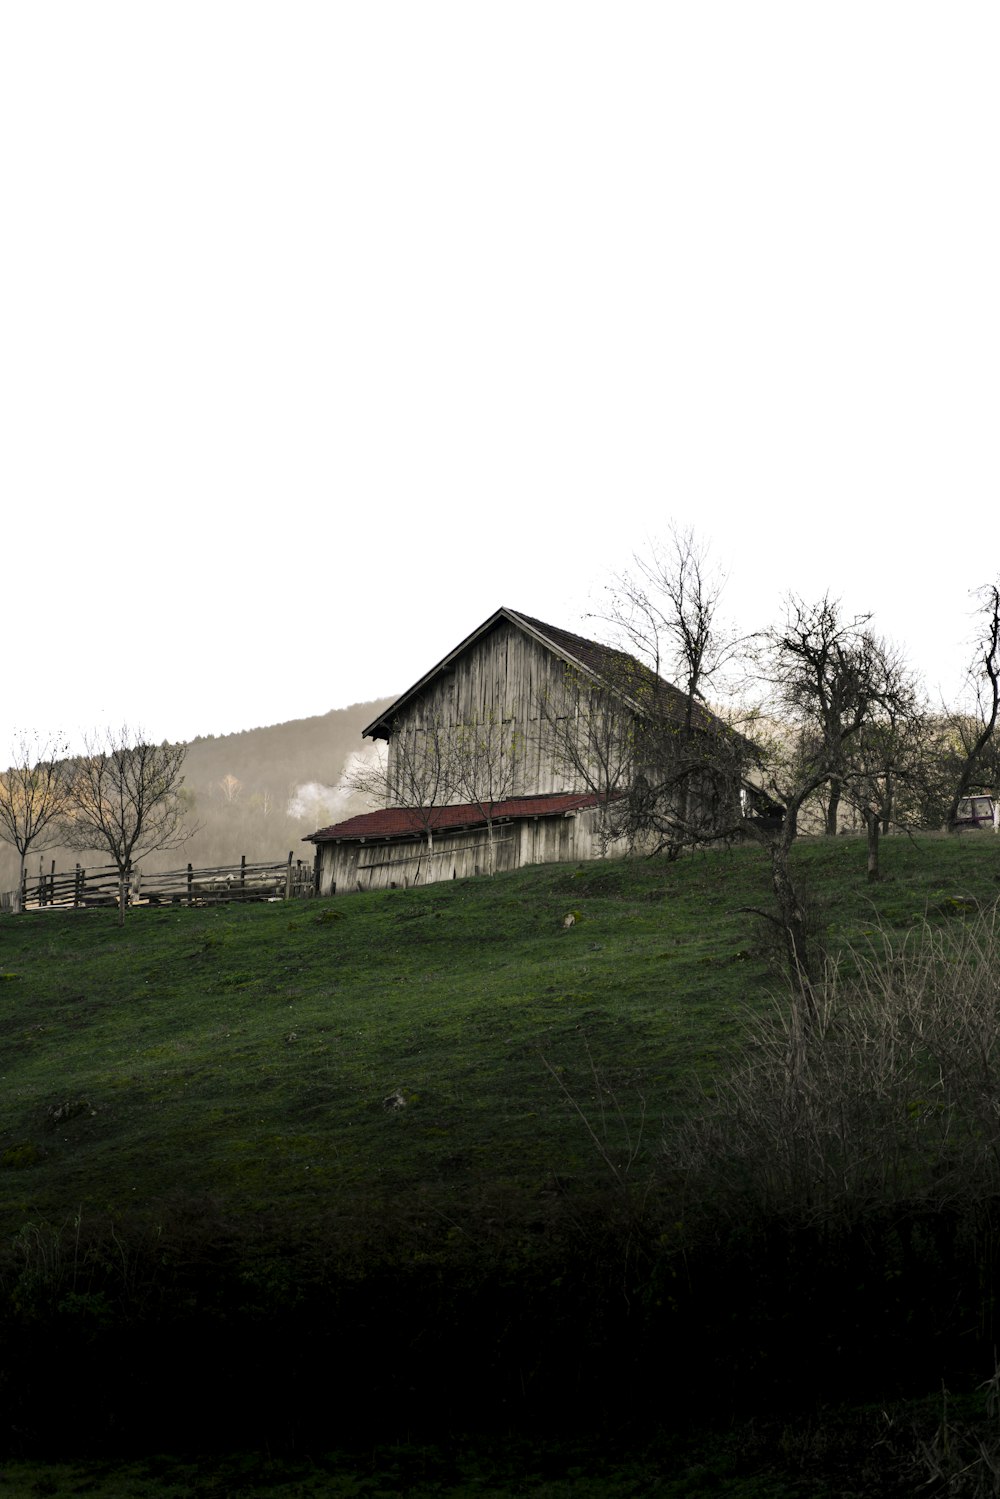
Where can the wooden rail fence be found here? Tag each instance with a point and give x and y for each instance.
(286, 880)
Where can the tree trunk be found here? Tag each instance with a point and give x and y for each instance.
(887, 803)
(122, 895)
(19, 892)
(430, 850)
(685, 808)
(832, 808)
(992, 671)
(791, 916)
(603, 831)
(874, 828)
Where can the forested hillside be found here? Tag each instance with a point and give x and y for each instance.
(259, 792)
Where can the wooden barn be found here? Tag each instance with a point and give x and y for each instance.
(510, 751)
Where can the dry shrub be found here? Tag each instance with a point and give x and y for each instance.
(876, 1085)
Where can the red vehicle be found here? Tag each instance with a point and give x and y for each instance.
(976, 812)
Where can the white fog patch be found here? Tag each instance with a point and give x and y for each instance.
(312, 801)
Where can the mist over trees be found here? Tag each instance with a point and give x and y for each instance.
(258, 792)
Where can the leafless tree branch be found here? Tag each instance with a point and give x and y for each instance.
(125, 800)
(33, 797)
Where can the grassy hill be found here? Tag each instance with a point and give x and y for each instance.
(415, 1138)
(281, 1058)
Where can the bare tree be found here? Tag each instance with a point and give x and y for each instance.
(890, 764)
(665, 610)
(976, 731)
(589, 733)
(827, 673)
(33, 797)
(695, 776)
(126, 800)
(943, 748)
(231, 788)
(484, 765)
(821, 672)
(262, 802)
(416, 775)
(687, 785)
(789, 771)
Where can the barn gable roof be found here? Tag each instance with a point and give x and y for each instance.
(602, 663)
(406, 822)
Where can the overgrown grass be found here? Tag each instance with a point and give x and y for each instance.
(877, 1085)
(284, 1058)
(415, 1140)
(461, 1471)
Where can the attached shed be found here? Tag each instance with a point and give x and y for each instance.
(400, 846)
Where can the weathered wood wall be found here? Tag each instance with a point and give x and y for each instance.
(403, 862)
(504, 677)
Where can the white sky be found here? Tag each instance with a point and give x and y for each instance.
(325, 329)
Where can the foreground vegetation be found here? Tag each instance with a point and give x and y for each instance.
(420, 1162)
(292, 1059)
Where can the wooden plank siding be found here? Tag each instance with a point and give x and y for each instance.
(504, 676)
(387, 863)
(400, 863)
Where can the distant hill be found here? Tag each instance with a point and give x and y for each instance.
(258, 792)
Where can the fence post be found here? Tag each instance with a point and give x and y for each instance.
(76, 886)
(288, 875)
(190, 882)
(243, 876)
(52, 884)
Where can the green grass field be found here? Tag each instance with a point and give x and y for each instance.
(282, 1059)
(447, 1080)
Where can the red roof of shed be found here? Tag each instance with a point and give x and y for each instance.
(403, 822)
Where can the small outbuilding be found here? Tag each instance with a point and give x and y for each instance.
(403, 846)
